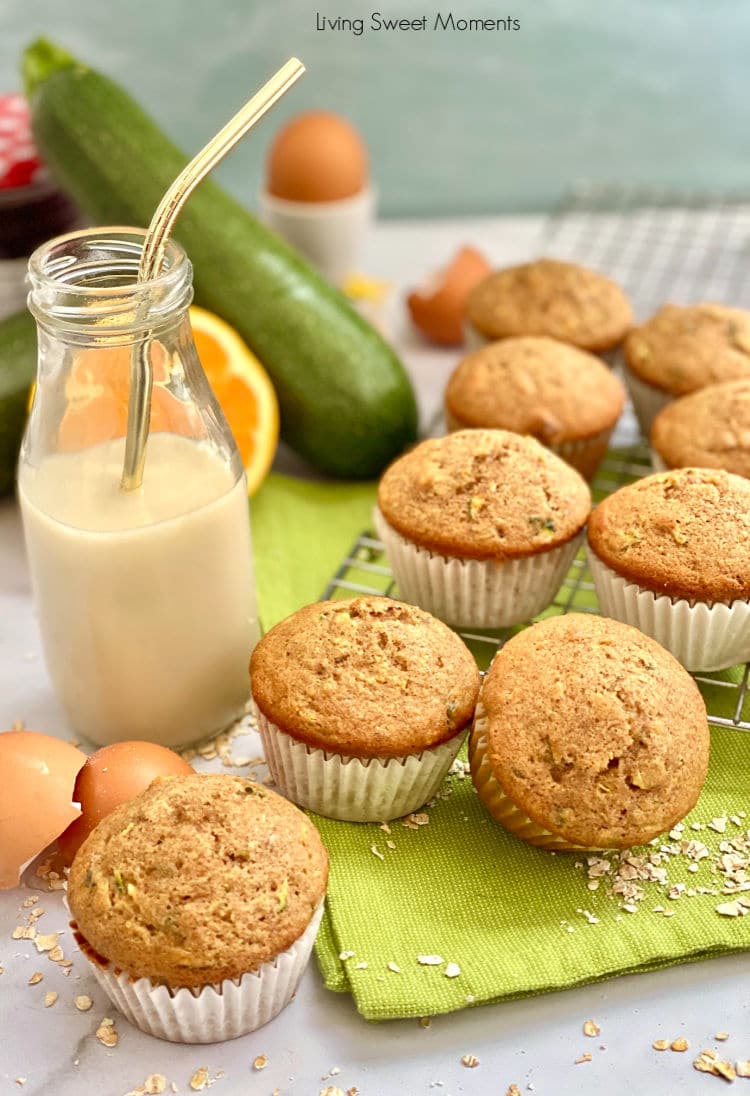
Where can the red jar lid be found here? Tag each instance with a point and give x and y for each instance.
(20, 164)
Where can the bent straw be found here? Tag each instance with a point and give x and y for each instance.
(141, 373)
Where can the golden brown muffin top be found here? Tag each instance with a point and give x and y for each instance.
(595, 731)
(709, 428)
(198, 879)
(685, 347)
(484, 494)
(535, 385)
(367, 677)
(684, 533)
(548, 297)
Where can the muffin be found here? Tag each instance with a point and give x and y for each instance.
(683, 348)
(709, 428)
(588, 735)
(532, 384)
(480, 527)
(198, 903)
(671, 555)
(362, 706)
(548, 297)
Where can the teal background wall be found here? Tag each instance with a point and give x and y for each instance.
(643, 91)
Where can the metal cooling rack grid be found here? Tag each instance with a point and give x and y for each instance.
(364, 570)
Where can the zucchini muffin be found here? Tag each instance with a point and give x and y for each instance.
(671, 555)
(480, 527)
(532, 384)
(588, 735)
(683, 348)
(709, 428)
(198, 903)
(548, 297)
(362, 706)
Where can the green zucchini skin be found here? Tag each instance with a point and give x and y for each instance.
(17, 372)
(346, 402)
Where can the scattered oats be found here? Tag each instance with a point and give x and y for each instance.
(470, 998)
(593, 884)
(385, 828)
(106, 1033)
(376, 852)
(470, 1061)
(693, 867)
(83, 1002)
(721, 1036)
(361, 966)
(731, 909)
(513, 1090)
(591, 1028)
(56, 954)
(353, 1091)
(344, 955)
(677, 890)
(719, 824)
(629, 907)
(421, 819)
(49, 998)
(30, 901)
(20, 1080)
(658, 909)
(23, 932)
(660, 1044)
(391, 844)
(696, 825)
(331, 1090)
(260, 1062)
(742, 1068)
(334, 1071)
(174, 1087)
(676, 833)
(46, 942)
(430, 960)
(199, 1080)
(583, 1058)
(394, 967)
(452, 970)
(725, 1070)
(425, 1021)
(679, 1044)
(154, 1084)
(669, 913)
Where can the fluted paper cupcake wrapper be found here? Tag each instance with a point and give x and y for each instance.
(647, 400)
(475, 593)
(352, 789)
(701, 635)
(213, 1013)
(583, 454)
(500, 806)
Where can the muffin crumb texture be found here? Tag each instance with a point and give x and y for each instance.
(369, 677)
(595, 731)
(709, 428)
(484, 494)
(684, 533)
(535, 385)
(547, 297)
(684, 348)
(198, 879)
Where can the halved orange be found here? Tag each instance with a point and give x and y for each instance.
(243, 389)
(99, 382)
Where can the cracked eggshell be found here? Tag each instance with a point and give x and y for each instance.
(36, 803)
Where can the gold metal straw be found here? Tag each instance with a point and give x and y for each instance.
(141, 374)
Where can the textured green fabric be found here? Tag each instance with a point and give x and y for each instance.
(459, 887)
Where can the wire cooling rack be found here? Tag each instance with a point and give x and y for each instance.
(658, 245)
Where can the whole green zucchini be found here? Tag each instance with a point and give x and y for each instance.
(17, 371)
(346, 401)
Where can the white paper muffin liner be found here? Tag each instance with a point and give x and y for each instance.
(212, 1013)
(501, 806)
(352, 789)
(475, 593)
(647, 400)
(701, 635)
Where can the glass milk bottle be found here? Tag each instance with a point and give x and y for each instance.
(145, 598)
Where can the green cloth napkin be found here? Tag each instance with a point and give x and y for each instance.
(504, 919)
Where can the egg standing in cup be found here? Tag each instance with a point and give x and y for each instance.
(588, 735)
(362, 706)
(317, 193)
(198, 903)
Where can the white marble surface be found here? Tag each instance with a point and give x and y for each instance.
(532, 1043)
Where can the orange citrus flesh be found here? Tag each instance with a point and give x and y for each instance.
(99, 383)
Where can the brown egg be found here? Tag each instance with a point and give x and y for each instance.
(438, 308)
(317, 157)
(110, 777)
(36, 802)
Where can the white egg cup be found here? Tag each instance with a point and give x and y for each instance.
(330, 235)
